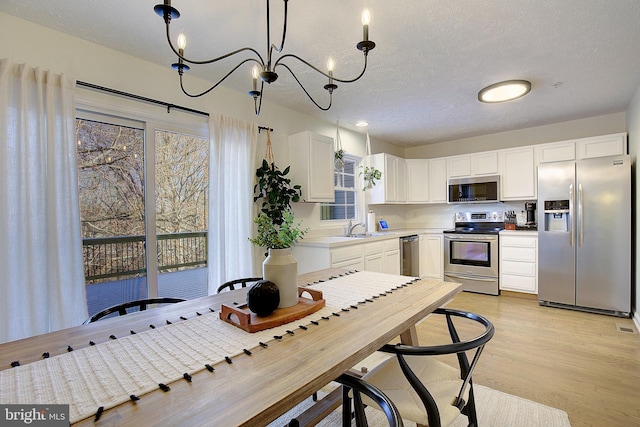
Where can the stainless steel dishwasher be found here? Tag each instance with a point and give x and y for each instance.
(410, 255)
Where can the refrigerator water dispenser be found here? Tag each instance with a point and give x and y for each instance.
(556, 216)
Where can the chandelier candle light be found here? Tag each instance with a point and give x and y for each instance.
(265, 70)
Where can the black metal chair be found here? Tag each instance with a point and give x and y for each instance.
(352, 390)
(445, 391)
(231, 285)
(121, 309)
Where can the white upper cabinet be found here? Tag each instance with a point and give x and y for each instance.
(392, 186)
(438, 180)
(602, 146)
(518, 174)
(417, 180)
(583, 148)
(485, 163)
(311, 159)
(476, 164)
(556, 152)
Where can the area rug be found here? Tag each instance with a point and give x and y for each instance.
(494, 408)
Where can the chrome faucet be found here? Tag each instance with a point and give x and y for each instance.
(352, 226)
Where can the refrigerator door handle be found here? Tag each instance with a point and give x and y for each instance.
(570, 215)
(580, 216)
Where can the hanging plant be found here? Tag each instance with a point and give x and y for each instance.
(370, 175)
(339, 158)
(275, 191)
(338, 154)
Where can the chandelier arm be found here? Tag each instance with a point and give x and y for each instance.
(196, 95)
(258, 105)
(289, 55)
(307, 93)
(210, 61)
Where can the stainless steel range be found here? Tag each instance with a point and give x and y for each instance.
(471, 251)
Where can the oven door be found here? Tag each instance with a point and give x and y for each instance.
(471, 254)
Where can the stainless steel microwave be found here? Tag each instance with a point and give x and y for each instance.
(479, 189)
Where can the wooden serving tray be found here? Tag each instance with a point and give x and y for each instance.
(245, 319)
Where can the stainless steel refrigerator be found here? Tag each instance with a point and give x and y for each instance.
(584, 235)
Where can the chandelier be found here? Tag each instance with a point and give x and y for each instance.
(264, 68)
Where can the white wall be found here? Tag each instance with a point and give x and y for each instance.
(633, 121)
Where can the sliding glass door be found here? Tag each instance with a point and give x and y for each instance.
(144, 210)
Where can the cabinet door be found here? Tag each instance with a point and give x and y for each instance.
(374, 263)
(431, 256)
(417, 180)
(556, 152)
(602, 146)
(438, 180)
(459, 166)
(485, 163)
(518, 178)
(311, 159)
(391, 262)
(401, 180)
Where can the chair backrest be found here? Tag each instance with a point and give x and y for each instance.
(457, 347)
(141, 305)
(359, 386)
(231, 285)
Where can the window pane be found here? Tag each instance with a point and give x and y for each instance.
(346, 194)
(182, 183)
(111, 194)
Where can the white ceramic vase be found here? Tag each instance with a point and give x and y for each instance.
(281, 268)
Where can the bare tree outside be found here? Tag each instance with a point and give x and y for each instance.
(111, 188)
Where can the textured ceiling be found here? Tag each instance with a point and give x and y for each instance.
(432, 56)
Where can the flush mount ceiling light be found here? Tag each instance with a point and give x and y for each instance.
(265, 69)
(504, 91)
(362, 124)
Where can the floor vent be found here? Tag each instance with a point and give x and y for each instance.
(625, 328)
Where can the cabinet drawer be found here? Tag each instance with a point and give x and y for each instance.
(391, 245)
(374, 248)
(519, 268)
(519, 254)
(518, 283)
(345, 254)
(518, 242)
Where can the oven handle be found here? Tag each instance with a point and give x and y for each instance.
(456, 276)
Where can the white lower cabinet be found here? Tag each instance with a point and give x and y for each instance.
(519, 262)
(431, 255)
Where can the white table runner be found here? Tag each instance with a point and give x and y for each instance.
(108, 374)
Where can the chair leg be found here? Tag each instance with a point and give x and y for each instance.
(346, 407)
(470, 409)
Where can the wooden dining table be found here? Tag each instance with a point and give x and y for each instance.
(260, 385)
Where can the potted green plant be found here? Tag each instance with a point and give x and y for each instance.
(275, 191)
(370, 176)
(276, 229)
(273, 236)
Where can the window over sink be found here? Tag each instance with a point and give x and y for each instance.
(346, 192)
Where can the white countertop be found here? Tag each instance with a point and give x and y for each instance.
(519, 233)
(338, 241)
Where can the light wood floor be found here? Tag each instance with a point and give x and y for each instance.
(578, 362)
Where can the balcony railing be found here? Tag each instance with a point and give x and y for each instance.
(125, 256)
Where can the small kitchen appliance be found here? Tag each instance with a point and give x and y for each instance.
(530, 208)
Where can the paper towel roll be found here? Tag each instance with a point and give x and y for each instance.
(371, 222)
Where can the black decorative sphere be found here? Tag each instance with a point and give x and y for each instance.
(263, 297)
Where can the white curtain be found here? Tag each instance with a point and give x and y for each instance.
(232, 170)
(41, 272)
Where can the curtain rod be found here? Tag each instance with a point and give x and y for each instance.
(140, 98)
